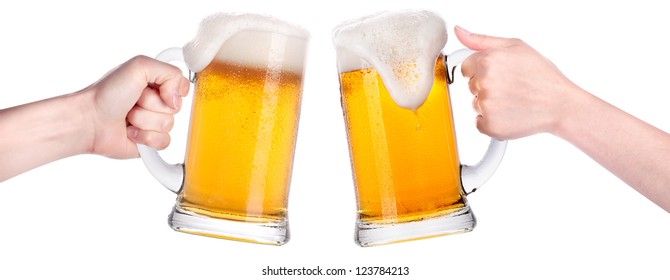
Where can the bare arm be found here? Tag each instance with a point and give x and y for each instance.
(41, 132)
(517, 93)
(133, 103)
(634, 151)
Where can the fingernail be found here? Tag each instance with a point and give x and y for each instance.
(132, 132)
(176, 101)
(463, 30)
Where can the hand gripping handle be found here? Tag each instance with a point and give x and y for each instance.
(474, 176)
(169, 175)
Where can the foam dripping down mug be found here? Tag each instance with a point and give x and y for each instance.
(394, 78)
(247, 92)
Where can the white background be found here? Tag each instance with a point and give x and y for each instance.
(550, 212)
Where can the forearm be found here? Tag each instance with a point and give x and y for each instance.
(41, 132)
(636, 152)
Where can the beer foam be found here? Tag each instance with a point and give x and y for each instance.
(401, 45)
(259, 31)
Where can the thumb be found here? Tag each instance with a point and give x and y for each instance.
(480, 42)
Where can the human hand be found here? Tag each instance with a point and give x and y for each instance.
(517, 91)
(135, 103)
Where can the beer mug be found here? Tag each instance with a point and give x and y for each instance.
(235, 178)
(395, 97)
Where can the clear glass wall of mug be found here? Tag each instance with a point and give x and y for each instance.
(402, 143)
(235, 179)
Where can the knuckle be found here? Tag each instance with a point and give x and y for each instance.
(133, 115)
(489, 122)
(168, 123)
(485, 87)
(164, 142)
(480, 124)
(472, 84)
(147, 138)
(156, 140)
(486, 108)
(173, 71)
(494, 131)
(497, 130)
(483, 103)
(485, 126)
(139, 60)
(516, 41)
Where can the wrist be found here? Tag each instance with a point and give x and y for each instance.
(81, 121)
(42, 132)
(574, 111)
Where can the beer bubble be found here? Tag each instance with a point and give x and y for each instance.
(401, 45)
(252, 32)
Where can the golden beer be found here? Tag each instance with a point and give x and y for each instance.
(241, 142)
(405, 162)
(409, 181)
(235, 178)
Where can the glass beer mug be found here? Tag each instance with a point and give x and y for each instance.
(248, 85)
(393, 81)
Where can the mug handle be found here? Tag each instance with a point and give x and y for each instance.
(474, 176)
(169, 175)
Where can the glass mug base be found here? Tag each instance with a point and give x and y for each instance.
(270, 233)
(373, 234)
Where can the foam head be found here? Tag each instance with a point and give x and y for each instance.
(248, 39)
(401, 45)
